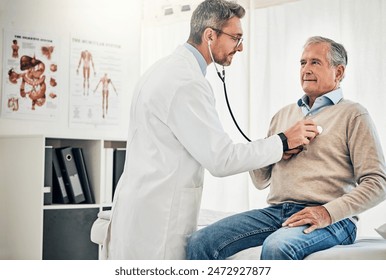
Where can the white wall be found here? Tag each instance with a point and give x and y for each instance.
(114, 20)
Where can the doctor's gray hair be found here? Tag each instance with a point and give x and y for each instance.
(337, 54)
(214, 14)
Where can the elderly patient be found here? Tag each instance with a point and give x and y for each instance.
(315, 192)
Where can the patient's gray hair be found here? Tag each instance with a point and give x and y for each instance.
(337, 54)
(212, 13)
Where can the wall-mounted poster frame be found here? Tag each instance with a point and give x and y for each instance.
(96, 68)
(31, 82)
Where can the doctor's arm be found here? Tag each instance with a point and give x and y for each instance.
(195, 122)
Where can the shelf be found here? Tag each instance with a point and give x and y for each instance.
(21, 200)
(70, 206)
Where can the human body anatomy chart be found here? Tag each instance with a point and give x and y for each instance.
(31, 84)
(95, 82)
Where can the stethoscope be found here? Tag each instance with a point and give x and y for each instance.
(222, 78)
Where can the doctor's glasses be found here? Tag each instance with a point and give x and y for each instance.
(238, 40)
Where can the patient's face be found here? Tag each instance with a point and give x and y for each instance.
(317, 77)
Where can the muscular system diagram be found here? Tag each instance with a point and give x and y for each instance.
(95, 82)
(86, 58)
(105, 81)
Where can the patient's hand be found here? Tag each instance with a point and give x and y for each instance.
(314, 216)
(290, 153)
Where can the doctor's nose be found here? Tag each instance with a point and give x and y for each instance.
(240, 47)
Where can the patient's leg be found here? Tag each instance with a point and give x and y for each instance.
(293, 244)
(233, 234)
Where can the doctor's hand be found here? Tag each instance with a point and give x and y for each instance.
(290, 153)
(302, 133)
(315, 216)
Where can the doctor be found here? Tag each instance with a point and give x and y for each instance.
(174, 133)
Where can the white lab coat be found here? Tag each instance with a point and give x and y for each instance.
(174, 133)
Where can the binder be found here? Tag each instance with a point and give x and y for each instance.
(83, 175)
(70, 175)
(47, 188)
(47, 193)
(59, 192)
(118, 165)
(48, 166)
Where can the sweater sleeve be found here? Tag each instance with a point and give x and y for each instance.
(368, 164)
(261, 178)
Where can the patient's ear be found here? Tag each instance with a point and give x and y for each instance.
(339, 74)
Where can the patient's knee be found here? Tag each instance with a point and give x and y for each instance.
(279, 249)
(197, 246)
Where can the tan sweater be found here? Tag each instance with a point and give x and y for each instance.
(342, 169)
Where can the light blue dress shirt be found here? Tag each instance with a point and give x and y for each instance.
(200, 59)
(328, 99)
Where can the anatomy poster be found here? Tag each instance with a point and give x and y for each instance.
(31, 84)
(95, 82)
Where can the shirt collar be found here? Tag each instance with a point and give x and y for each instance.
(200, 59)
(333, 96)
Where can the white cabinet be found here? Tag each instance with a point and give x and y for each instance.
(22, 228)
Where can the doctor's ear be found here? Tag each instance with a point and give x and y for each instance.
(208, 35)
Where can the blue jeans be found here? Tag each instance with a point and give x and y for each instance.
(263, 227)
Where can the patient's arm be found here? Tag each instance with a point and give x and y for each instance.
(261, 178)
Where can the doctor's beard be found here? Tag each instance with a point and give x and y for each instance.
(226, 60)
